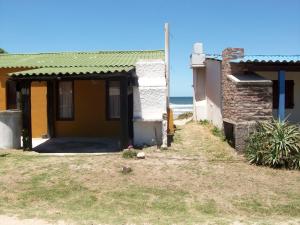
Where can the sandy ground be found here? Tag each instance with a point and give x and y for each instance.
(182, 122)
(9, 220)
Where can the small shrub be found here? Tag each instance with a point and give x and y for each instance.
(204, 122)
(218, 133)
(129, 154)
(275, 144)
(185, 115)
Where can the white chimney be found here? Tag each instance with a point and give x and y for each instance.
(198, 56)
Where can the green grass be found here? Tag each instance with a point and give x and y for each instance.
(273, 207)
(218, 133)
(129, 154)
(208, 207)
(214, 130)
(177, 137)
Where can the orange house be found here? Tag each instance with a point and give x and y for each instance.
(77, 94)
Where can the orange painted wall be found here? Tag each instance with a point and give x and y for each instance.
(38, 102)
(89, 104)
(39, 108)
(89, 114)
(3, 77)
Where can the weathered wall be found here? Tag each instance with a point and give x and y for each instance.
(207, 92)
(253, 102)
(293, 114)
(228, 88)
(10, 129)
(149, 102)
(243, 104)
(213, 92)
(90, 113)
(147, 133)
(199, 97)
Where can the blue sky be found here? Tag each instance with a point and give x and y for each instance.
(260, 26)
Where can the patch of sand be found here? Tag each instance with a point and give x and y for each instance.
(11, 220)
(183, 121)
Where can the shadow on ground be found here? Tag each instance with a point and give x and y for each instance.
(78, 145)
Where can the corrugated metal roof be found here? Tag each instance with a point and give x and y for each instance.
(78, 59)
(71, 70)
(77, 62)
(260, 58)
(268, 59)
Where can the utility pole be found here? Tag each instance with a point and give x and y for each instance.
(167, 61)
(165, 117)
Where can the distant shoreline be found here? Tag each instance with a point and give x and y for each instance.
(181, 105)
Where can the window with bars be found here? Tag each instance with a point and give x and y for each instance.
(289, 94)
(65, 100)
(113, 99)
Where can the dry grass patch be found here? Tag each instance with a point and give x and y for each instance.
(199, 180)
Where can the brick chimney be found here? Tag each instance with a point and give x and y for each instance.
(227, 88)
(232, 53)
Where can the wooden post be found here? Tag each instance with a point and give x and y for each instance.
(281, 86)
(124, 112)
(50, 108)
(26, 115)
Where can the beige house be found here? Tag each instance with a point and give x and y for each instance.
(234, 90)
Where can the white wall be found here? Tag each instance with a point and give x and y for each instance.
(294, 114)
(207, 92)
(213, 92)
(199, 97)
(147, 133)
(150, 102)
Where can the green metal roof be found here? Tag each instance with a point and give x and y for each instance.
(71, 70)
(76, 62)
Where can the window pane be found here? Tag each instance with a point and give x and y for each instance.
(11, 92)
(65, 100)
(114, 99)
(289, 94)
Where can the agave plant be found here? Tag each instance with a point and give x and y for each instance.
(276, 144)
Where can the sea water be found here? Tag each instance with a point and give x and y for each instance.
(181, 105)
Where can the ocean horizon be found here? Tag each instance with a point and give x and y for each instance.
(181, 104)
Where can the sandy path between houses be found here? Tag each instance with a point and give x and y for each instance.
(183, 121)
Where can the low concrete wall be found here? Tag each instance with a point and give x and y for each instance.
(10, 129)
(147, 133)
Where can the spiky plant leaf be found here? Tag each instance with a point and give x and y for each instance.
(275, 144)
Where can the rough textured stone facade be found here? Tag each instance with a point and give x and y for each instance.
(228, 88)
(242, 103)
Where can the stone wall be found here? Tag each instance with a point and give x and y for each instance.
(228, 88)
(243, 103)
(253, 102)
